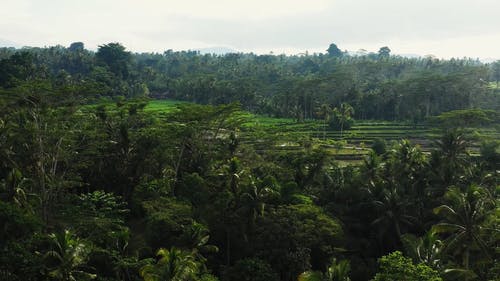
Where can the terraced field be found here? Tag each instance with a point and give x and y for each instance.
(161, 106)
(355, 143)
(350, 148)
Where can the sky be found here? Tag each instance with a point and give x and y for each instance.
(443, 28)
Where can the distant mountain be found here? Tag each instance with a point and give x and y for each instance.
(8, 43)
(217, 50)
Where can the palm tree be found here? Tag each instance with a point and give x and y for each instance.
(196, 238)
(370, 168)
(406, 162)
(337, 271)
(463, 219)
(405, 172)
(392, 212)
(234, 172)
(426, 249)
(253, 204)
(325, 112)
(255, 198)
(173, 265)
(68, 257)
(343, 114)
(453, 145)
(451, 156)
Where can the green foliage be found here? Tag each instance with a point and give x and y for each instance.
(378, 85)
(102, 204)
(379, 146)
(99, 217)
(238, 195)
(395, 266)
(67, 259)
(384, 52)
(114, 56)
(334, 51)
(339, 123)
(161, 106)
(426, 249)
(15, 223)
(250, 269)
(208, 277)
(291, 236)
(172, 265)
(467, 118)
(18, 260)
(342, 118)
(166, 221)
(310, 276)
(16, 69)
(337, 271)
(490, 152)
(464, 216)
(196, 237)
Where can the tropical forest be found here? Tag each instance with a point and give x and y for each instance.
(183, 166)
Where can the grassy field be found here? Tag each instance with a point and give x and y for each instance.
(162, 106)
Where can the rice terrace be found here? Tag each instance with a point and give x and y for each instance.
(349, 148)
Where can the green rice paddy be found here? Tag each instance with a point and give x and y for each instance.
(348, 148)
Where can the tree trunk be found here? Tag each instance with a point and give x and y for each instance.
(228, 249)
(177, 167)
(466, 261)
(324, 129)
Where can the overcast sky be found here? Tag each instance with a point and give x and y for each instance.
(444, 28)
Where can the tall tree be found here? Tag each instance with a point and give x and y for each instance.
(450, 159)
(325, 112)
(116, 58)
(426, 249)
(76, 47)
(68, 257)
(384, 52)
(464, 215)
(334, 51)
(343, 115)
(495, 69)
(173, 265)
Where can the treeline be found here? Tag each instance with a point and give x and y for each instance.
(378, 86)
(111, 192)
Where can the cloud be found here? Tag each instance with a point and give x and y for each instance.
(424, 26)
